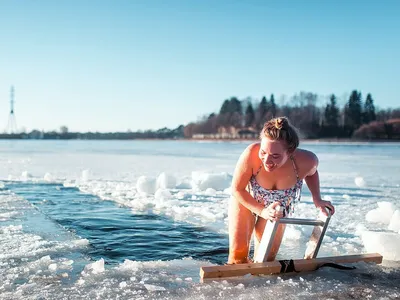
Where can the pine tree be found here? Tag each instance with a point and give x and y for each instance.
(249, 116)
(235, 106)
(353, 111)
(369, 110)
(262, 110)
(332, 113)
(272, 106)
(224, 108)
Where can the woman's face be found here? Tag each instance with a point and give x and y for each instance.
(273, 154)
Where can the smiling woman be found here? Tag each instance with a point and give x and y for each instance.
(269, 174)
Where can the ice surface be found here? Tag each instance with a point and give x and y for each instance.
(193, 186)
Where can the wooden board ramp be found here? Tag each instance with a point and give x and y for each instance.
(284, 266)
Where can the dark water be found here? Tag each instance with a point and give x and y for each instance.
(115, 233)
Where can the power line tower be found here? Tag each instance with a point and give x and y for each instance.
(12, 122)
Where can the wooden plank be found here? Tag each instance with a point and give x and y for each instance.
(274, 267)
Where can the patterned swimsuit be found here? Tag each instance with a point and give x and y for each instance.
(287, 197)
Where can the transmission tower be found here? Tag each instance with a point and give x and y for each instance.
(12, 122)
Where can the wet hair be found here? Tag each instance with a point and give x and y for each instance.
(280, 129)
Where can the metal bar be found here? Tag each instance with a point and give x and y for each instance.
(301, 221)
(267, 240)
(322, 235)
(317, 236)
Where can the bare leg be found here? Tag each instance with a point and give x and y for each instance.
(241, 226)
(258, 232)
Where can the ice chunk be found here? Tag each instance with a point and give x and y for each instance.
(129, 266)
(359, 181)
(85, 175)
(360, 228)
(94, 268)
(52, 267)
(291, 233)
(210, 192)
(165, 181)
(162, 194)
(146, 185)
(153, 288)
(68, 262)
(48, 177)
(10, 228)
(8, 215)
(203, 181)
(384, 243)
(228, 191)
(25, 175)
(185, 184)
(81, 242)
(382, 214)
(395, 221)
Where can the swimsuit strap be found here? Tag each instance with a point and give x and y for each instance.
(258, 171)
(294, 167)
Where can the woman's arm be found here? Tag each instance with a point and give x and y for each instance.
(313, 183)
(241, 178)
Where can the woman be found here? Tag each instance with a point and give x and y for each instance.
(273, 170)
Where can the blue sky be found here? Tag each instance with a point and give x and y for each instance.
(119, 65)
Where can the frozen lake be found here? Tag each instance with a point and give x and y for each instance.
(137, 219)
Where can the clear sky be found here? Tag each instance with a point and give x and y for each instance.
(117, 65)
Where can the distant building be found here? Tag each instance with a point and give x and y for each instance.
(229, 133)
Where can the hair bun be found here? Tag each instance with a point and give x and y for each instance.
(281, 123)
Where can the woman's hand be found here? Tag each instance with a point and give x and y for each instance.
(323, 204)
(271, 212)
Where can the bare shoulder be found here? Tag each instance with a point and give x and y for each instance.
(253, 149)
(306, 161)
(249, 156)
(244, 167)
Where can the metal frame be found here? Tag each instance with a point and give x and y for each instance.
(320, 226)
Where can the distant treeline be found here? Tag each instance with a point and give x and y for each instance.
(356, 118)
(64, 134)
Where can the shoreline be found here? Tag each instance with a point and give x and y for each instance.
(318, 140)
